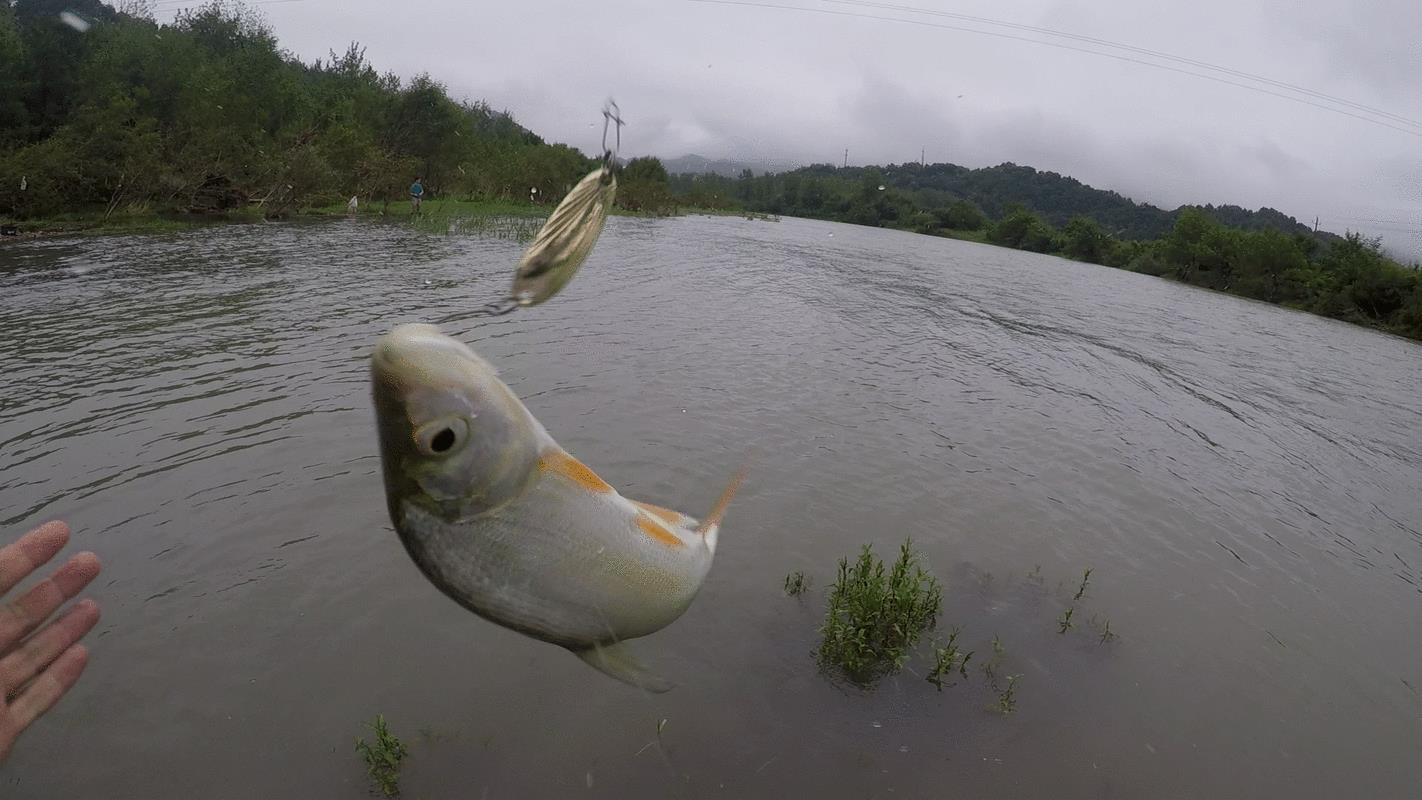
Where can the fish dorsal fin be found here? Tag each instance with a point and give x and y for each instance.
(718, 511)
(618, 662)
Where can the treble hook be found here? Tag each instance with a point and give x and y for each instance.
(611, 114)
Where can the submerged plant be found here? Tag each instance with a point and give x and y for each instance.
(383, 758)
(876, 616)
(1103, 627)
(946, 659)
(1006, 695)
(990, 668)
(796, 583)
(1081, 590)
(1064, 621)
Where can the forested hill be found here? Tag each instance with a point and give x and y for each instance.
(104, 111)
(996, 190)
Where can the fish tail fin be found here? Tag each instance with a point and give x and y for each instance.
(618, 662)
(710, 526)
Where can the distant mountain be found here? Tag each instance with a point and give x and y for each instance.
(1056, 198)
(701, 165)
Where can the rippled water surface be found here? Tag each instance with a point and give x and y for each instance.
(1242, 480)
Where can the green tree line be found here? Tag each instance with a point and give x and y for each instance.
(210, 114)
(1265, 254)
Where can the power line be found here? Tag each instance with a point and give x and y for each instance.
(1134, 49)
(1062, 46)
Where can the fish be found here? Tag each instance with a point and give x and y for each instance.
(511, 526)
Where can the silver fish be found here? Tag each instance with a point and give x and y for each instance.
(511, 526)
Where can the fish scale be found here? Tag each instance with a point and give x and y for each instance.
(508, 524)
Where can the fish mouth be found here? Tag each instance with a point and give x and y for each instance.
(412, 354)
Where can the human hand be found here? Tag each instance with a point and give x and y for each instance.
(36, 671)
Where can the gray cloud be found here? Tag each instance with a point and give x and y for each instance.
(762, 83)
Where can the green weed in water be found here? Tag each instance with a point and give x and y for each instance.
(1081, 590)
(1103, 627)
(990, 668)
(1006, 695)
(876, 616)
(1064, 621)
(383, 758)
(796, 583)
(947, 659)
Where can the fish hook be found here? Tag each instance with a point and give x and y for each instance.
(611, 114)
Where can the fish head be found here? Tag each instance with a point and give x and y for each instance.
(454, 439)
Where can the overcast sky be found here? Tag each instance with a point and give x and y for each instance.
(753, 83)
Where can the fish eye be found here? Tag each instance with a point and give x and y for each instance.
(443, 440)
(442, 436)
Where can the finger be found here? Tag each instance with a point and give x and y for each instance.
(22, 616)
(51, 685)
(44, 647)
(30, 552)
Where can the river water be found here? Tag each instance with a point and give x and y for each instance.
(1243, 482)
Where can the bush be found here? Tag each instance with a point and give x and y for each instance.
(962, 216)
(875, 618)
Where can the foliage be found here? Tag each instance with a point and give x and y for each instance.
(875, 617)
(643, 187)
(383, 758)
(207, 114)
(796, 584)
(961, 215)
(947, 659)
(1006, 695)
(1083, 239)
(1023, 230)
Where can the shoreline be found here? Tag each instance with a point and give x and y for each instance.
(451, 210)
(155, 223)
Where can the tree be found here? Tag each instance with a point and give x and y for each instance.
(643, 186)
(1084, 239)
(1268, 260)
(1023, 230)
(962, 215)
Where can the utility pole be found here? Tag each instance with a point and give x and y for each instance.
(1315, 224)
(922, 156)
(846, 157)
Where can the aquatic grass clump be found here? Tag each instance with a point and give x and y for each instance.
(1102, 626)
(796, 584)
(948, 659)
(383, 758)
(1081, 590)
(876, 616)
(519, 229)
(1006, 695)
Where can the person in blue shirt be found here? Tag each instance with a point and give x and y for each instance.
(417, 193)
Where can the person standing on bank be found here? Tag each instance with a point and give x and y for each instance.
(417, 194)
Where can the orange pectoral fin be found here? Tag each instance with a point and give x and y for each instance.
(560, 463)
(657, 530)
(664, 514)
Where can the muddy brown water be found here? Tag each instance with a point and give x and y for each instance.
(1241, 479)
